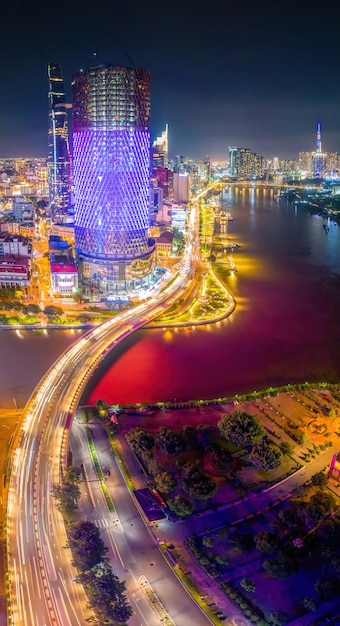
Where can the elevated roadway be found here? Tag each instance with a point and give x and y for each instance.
(42, 586)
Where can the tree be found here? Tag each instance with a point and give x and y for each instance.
(241, 428)
(140, 440)
(33, 309)
(266, 456)
(165, 482)
(102, 409)
(171, 442)
(276, 618)
(313, 512)
(87, 547)
(303, 439)
(335, 562)
(154, 467)
(319, 479)
(327, 588)
(222, 559)
(279, 567)
(329, 531)
(121, 610)
(248, 584)
(106, 594)
(288, 517)
(78, 296)
(220, 457)
(244, 541)
(53, 311)
(181, 506)
(208, 541)
(197, 483)
(286, 447)
(267, 542)
(67, 496)
(190, 435)
(310, 604)
(72, 474)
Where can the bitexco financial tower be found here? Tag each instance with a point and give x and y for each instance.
(111, 176)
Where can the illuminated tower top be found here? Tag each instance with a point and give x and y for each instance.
(318, 138)
(58, 145)
(160, 149)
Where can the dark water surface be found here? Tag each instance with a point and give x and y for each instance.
(25, 356)
(285, 329)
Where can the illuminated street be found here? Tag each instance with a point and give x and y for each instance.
(41, 577)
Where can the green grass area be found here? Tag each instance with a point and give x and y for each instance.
(211, 302)
(122, 466)
(15, 320)
(99, 472)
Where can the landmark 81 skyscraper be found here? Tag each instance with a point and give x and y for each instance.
(58, 144)
(111, 159)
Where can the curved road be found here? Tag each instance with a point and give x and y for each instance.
(42, 586)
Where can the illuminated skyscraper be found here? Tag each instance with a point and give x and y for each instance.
(111, 159)
(58, 146)
(245, 164)
(318, 138)
(318, 158)
(160, 151)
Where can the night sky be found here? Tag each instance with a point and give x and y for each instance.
(253, 74)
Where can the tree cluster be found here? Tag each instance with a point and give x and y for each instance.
(219, 457)
(140, 440)
(313, 512)
(104, 589)
(267, 542)
(181, 506)
(53, 311)
(67, 493)
(87, 546)
(266, 456)
(170, 441)
(19, 307)
(241, 428)
(197, 483)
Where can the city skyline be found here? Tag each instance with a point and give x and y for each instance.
(256, 77)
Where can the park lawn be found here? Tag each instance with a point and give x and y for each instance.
(14, 320)
(238, 558)
(252, 477)
(216, 438)
(169, 463)
(284, 595)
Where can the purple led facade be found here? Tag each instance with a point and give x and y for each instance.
(111, 174)
(111, 156)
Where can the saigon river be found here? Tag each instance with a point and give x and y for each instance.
(285, 327)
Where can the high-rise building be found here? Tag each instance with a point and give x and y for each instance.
(319, 160)
(245, 164)
(160, 149)
(165, 180)
(305, 163)
(58, 145)
(181, 187)
(111, 160)
(233, 161)
(204, 171)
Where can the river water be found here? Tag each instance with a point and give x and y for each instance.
(285, 327)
